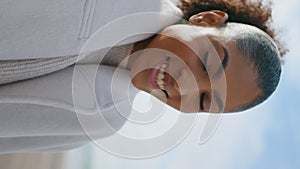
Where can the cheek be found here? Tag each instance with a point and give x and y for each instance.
(184, 105)
(242, 87)
(184, 57)
(174, 102)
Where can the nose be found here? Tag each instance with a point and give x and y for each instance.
(189, 83)
(181, 84)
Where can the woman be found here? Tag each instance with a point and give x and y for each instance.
(206, 44)
(239, 12)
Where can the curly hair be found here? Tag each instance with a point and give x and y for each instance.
(253, 13)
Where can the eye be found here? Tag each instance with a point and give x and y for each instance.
(204, 61)
(202, 101)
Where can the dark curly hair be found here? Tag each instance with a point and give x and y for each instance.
(253, 13)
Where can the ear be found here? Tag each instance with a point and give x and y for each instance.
(209, 18)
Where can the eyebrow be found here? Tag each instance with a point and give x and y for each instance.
(224, 64)
(217, 75)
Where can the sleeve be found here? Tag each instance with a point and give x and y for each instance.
(16, 70)
(46, 29)
(39, 114)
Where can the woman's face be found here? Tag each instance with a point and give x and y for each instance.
(188, 68)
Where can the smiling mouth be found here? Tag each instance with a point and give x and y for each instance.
(160, 77)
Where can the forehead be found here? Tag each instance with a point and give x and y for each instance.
(241, 79)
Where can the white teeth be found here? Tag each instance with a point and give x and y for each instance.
(160, 77)
(160, 82)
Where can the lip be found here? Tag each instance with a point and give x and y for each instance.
(155, 71)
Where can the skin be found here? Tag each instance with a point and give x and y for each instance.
(194, 82)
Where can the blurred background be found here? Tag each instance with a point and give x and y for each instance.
(265, 137)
